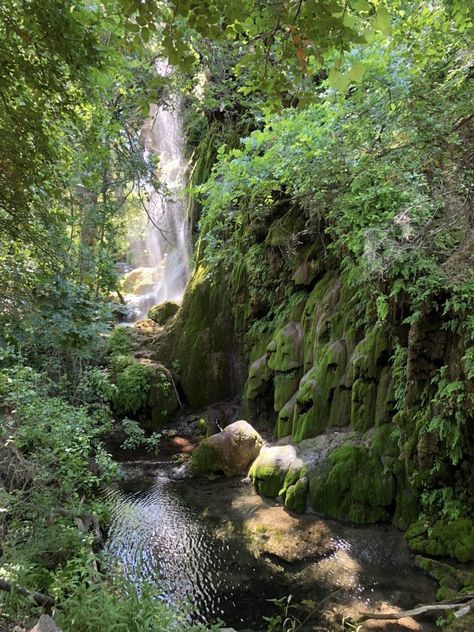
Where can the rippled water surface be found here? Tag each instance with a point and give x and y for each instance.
(156, 535)
(163, 533)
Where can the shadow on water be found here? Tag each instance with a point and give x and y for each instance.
(188, 537)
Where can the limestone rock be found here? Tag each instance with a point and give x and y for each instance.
(260, 375)
(230, 451)
(286, 349)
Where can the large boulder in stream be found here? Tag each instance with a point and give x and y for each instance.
(230, 451)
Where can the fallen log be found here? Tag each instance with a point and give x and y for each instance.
(39, 598)
(465, 603)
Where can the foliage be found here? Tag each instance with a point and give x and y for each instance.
(136, 438)
(52, 463)
(282, 46)
(119, 342)
(133, 387)
(118, 606)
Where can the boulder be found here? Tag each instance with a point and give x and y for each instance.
(163, 312)
(230, 451)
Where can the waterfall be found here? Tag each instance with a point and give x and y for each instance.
(164, 251)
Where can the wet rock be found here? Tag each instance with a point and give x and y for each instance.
(230, 451)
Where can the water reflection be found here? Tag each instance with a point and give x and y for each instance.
(156, 536)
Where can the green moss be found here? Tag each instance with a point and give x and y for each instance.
(320, 389)
(267, 479)
(120, 342)
(203, 341)
(363, 404)
(203, 459)
(163, 312)
(296, 495)
(284, 424)
(354, 486)
(285, 352)
(453, 582)
(119, 363)
(385, 400)
(144, 388)
(285, 386)
(454, 539)
(270, 469)
(258, 379)
(370, 355)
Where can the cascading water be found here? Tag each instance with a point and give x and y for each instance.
(162, 255)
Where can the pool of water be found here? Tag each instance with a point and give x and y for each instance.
(186, 537)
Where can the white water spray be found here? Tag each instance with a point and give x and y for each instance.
(163, 255)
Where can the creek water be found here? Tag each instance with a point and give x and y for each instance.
(191, 539)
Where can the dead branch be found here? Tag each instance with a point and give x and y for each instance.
(467, 601)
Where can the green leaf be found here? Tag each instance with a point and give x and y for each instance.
(338, 80)
(383, 21)
(356, 71)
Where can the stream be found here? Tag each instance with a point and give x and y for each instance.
(226, 552)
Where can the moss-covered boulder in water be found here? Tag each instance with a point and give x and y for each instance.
(163, 312)
(280, 471)
(230, 451)
(268, 472)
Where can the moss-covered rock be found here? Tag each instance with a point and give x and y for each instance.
(285, 352)
(230, 451)
(322, 399)
(259, 377)
(202, 342)
(120, 342)
(453, 582)
(284, 425)
(163, 312)
(296, 495)
(143, 389)
(270, 469)
(453, 538)
(353, 485)
(285, 386)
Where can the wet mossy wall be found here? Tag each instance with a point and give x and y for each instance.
(324, 370)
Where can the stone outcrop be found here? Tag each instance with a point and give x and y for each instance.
(322, 371)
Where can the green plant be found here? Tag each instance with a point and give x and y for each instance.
(287, 620)
(133, 387)
(135, 437)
